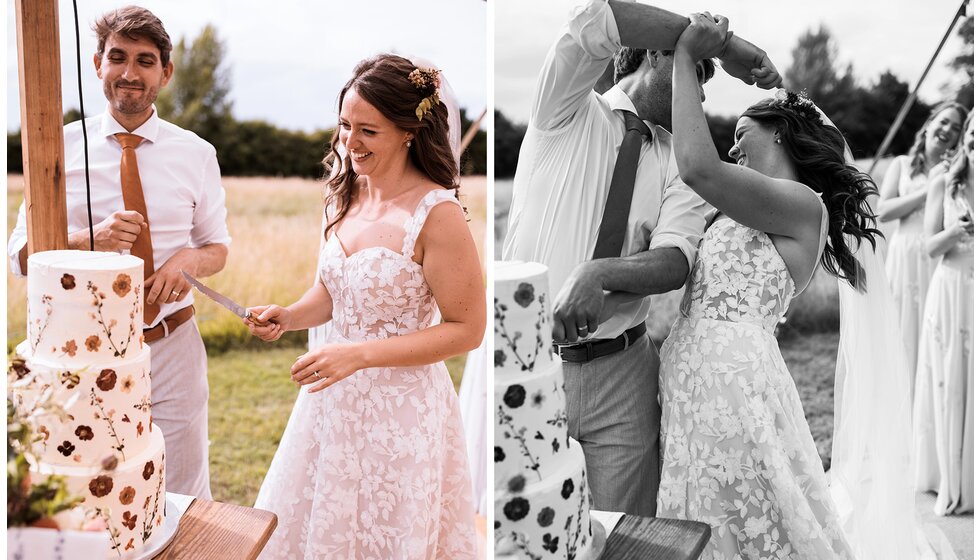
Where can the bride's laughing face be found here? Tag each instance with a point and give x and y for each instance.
(755, 145)
(373, 143)
(944, 131)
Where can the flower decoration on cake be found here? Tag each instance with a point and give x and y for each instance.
(100, 486)
(68, 282)
(550, 543)
(129, 520)
(84, 433)
(98, 300)
(127, 495)
(516, 484)
(148, 470)
(122, 285)
(106, 380)
(546, 516)
(567, 488)
(524, 296)
(517, 509)
(66, 448)
(498, 454)
(514, 397)
(499, 358)
(93, 343)
(70, 348)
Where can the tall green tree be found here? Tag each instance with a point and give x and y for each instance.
(197, 97)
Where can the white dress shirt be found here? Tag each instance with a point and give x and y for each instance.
(181, 185)
(566, 165)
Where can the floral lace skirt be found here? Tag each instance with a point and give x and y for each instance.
(737, 451)
(374, 467)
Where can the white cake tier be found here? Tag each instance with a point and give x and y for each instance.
(546, 519)
(530, 435)
(84, 307)
(108, 408)
(522, 319)
(131, 497)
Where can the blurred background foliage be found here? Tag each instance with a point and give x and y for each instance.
(199, 99)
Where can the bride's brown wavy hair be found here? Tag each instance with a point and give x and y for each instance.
(383, 82)
(817, 151)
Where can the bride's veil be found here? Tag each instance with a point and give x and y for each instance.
(871, 468)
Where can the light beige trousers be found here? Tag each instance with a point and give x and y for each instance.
(179, 377)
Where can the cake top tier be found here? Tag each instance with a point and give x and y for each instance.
(84, 307)
(46, 261)
(522, 319)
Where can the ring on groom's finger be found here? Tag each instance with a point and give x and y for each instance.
(583, 329)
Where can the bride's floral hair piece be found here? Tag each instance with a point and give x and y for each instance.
(427, 80)
(799, 103)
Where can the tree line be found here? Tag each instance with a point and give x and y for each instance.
(197, 99)
(863, 113)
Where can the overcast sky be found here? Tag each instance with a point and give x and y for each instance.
(288, 58)
(874, 35)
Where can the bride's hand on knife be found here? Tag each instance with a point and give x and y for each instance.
(268, 322)
(327, 365)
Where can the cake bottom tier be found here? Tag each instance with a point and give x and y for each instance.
(549, 518)
(130, 498)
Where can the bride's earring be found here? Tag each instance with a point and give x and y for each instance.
(408, 144)
(779, 140)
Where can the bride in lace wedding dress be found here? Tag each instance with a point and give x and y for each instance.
(372, 464)
(737, 450)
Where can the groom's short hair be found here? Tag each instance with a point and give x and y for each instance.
(628, 59)
(133, 22)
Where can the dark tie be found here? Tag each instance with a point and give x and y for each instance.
(132, 191)
(612, 230)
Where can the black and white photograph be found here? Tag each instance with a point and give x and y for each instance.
(745, 232)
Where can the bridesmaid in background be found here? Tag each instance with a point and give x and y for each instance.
(903, 198)
(943, 410)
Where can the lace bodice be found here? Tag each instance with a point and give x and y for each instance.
(738, 277)
(378, 292)
(954, 206)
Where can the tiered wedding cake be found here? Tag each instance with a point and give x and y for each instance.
(85, 319)
(541, 495)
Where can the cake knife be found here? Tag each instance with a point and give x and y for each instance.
(224, 301)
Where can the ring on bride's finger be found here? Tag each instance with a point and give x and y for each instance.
(317, 374)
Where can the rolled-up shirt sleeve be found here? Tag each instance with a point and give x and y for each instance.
(574, 65)
(210, 215)
(682, 217)
(17, 241)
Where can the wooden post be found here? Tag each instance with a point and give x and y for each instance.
(41, 118)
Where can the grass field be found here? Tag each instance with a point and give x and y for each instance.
(274, 224)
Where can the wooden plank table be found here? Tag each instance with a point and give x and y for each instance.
(213, 530)
(650, 538)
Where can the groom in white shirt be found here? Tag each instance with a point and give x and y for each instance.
(566, 167)
(179, 220)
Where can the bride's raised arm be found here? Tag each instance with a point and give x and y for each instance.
(773, 205)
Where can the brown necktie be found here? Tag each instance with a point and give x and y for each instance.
(612, 229)
(132, 191)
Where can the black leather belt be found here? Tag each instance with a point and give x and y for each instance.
(588, 351)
